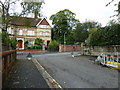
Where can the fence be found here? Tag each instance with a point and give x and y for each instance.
(5, 47)
(7, 60)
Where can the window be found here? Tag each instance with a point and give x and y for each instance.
(41, 33)
(9, 30)
(43, 26)
(30, 43)
(30, 32)
(0, 29)
(47, 34)
(12, 31)
(20, 32)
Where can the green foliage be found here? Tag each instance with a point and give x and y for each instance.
(5, 37)
(91, 32)
(13, 42)
(82, 30)
(53, 45)
(26, 44)
(69, 38)
(32, 7)
(109, 35)
(38, 41)
(36, 47)
(63, 22)
(8, 41)
(80, 33)
(38, 44)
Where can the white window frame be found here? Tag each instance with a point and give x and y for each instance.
(47, 33)
(43, 26)
(9, 30)
(31, 32)
(41, 33)
(12, 31)
(20, 32)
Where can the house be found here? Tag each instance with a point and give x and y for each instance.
(28, 29)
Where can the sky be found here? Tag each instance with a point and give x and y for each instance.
(84, 9)
(94, 10)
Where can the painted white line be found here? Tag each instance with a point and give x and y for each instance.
(50, 81)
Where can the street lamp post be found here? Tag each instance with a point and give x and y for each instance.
(64, 41)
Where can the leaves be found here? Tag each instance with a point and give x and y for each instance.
(81, 30)
(63, 21)
(38, 41)
(53, 45)
(32, 7)
(109, 35)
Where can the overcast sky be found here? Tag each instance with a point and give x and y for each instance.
(84, 9)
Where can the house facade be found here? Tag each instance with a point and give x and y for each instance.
(28, 29)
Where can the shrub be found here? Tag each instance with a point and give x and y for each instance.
(13, 43)
(36, 47)
(5, 37)
(8, 41)
(26, 45)
(53, 46)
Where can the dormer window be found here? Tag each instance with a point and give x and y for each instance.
(43, 26)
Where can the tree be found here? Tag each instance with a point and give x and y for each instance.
(118, 7)
(91, 33)
(63, 22)
(5, 6)
(8, 41)
(112, 22)
(28, 7)
(80, 33)
(81, 30)
(108, 35)
(32, 7)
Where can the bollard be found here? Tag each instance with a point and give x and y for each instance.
(29, 56)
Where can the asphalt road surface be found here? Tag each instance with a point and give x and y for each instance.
(78, 72)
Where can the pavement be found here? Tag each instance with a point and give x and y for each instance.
(24, 74)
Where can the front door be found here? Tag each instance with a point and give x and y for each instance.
(48, 43)
(20, 43)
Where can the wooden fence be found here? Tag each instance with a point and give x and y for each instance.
(7, 60)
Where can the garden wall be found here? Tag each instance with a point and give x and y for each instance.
(96, 50)
(69, 48)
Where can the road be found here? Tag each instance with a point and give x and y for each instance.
(78, 72)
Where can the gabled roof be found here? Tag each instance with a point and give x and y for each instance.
(43, 22)
(26, 21)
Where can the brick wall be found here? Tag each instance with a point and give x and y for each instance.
(69, 48)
